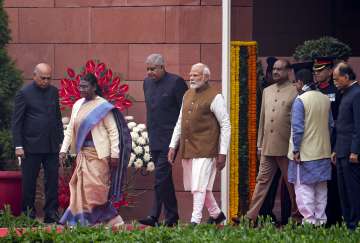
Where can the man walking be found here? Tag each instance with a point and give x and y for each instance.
(38, 134)
(273, 136)
(309, 148)
(203, 130)
(163, 93)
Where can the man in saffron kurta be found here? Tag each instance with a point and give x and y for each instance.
(309, 149)
(203, 131)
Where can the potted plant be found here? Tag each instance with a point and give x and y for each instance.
(10, 82)
(323, 47)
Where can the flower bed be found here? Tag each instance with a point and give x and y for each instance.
(22, 229)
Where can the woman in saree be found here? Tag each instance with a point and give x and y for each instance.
(98, 134)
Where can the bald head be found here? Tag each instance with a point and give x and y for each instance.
(42, 75)
(343, 75)
(43, 68)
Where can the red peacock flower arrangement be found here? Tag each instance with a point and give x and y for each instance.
(109, 83)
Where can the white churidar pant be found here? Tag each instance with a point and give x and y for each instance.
(199, 177)
(311, 200)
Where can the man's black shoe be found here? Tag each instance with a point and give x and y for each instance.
(171, 223)
(220, 218)
(149, 220)
(30, 213)
(51, 220)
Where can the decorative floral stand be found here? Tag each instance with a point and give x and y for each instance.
(10, 190)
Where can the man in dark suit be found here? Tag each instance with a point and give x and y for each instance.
(37, 134)
(347, 148)
(163, 93)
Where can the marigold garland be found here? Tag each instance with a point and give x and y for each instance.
(243, 167)
(234, 132)
(252, 123)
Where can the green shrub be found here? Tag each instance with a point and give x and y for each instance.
(325, 46)
(266, 232)
(7, 151)
(7, 220)
(10, 82)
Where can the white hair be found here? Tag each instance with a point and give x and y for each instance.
(205, 69)
(155, 59)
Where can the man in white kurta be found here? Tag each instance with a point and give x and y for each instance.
(203, 132)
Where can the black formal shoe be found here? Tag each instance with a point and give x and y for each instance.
(30, 213)
(52, 217)
(235, 220)
(220, 218)
(51, 220)
(149, 220)
(171, 223)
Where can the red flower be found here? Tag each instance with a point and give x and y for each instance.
(124, 88)
(110, 86)
(64, 192)
(102, 81)
(127, 103)
(108, 74)
(97, 74)
(71, 72)
(78, 78)
(101, 67)
(123, 202)
(90, 66)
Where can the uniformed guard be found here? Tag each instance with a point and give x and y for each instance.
(323, 69)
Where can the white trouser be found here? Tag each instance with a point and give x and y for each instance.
(311, 201)
(201, 198)
(199, 177)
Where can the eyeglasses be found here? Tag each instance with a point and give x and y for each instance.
(45, 78)
(152, 69)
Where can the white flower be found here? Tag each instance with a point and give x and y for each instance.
(133, 145)
(150, 166)
(141, 141)
(129, 118)
(138, 150)
(147, 148)
(130, 164)
(147, 157)
(145, 135)
(131, 125)
(65, 120)
(138, 163)
(135, 129)
(141, 127)
(132, 157)
(134, 136)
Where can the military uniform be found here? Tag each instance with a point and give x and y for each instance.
(333, 208)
